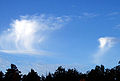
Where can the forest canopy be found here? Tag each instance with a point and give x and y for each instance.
(99, 73)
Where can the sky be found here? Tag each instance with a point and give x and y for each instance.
(45, 34)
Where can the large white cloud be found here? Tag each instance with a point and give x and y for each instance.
(25, 33)
(105, 43)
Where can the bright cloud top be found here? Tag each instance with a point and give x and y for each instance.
(105, 44)
(25, 33)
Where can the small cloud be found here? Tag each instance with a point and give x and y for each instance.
(117, 26)
(88, 15)
(113, 13)
(105, 43)
(27, 33)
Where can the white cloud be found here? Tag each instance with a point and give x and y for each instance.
(105, 44)
(88, 15)
(113, 13)
(35, 52)
(117, 27)
(28, 32)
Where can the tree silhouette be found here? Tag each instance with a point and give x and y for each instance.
(32, 76)
(49, 77)
(1, 76)
(43, 78)
(12, 74)
(99, 73)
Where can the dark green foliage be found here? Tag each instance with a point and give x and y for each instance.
(97, 74)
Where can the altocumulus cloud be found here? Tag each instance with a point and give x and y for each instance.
(105, 43)
(27, 33)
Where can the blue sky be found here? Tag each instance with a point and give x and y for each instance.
(45, 34)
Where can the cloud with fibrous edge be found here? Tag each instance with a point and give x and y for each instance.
(27, 33)
(105, 44)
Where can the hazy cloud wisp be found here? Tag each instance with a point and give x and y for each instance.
(25, 33)
(105, 43)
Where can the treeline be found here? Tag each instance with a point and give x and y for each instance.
(99, 73)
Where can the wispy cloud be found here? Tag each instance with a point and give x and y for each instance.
(105, 43)
(113, 13)
(27, 33)
(117, 26)
(30, 52)
(88, 15)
